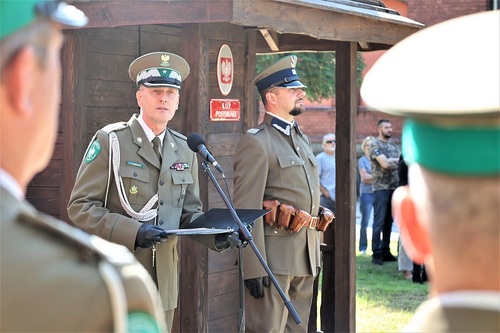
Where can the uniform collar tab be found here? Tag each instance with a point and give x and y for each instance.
(282, 125)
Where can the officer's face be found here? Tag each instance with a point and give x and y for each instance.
(158, 104)
(290, 100)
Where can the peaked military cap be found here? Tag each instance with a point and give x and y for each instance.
(280, 74)
(159, 69)
(15, 14)
(450, 95)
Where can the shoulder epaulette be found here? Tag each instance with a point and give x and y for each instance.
(177, 134)
(111, 252)
(255, 130)
(115, 127)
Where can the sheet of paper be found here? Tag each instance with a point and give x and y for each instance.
(197, 231)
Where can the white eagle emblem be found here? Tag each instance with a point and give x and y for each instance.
(226, 71)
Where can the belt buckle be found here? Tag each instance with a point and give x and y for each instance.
(313, 223)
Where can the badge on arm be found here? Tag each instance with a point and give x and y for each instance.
(93, 151)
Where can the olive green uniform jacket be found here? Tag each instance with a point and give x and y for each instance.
(176, 184)
(270, 165)
(478, 316)
(52, 277)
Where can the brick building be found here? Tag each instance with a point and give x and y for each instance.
(428, 12)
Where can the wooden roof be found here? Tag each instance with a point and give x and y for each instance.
(286, 25)
(315, 24)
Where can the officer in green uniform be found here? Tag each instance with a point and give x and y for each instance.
(54, 277)
(448, 215)
(275, 162)
(129, 192)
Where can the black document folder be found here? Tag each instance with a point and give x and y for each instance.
(218, 221)
(221, 218)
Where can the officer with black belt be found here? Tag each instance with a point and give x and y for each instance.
(274, 163)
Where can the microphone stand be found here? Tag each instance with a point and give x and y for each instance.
(247, 236)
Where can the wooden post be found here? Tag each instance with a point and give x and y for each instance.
(345, 272)
(338, 304)
(192, 310)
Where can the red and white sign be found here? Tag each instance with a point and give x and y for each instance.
(225, 70)
(224, 110)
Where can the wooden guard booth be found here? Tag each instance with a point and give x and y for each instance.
(97, 90)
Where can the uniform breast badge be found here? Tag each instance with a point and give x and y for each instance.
(180, 166)
(133, 189)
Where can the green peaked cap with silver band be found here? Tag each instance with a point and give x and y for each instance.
(16, 14)
(159, 69)
(449, 96)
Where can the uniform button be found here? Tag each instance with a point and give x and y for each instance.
(161, 202)
(293, 162)
(314, 206)
(135, 174)
(298, 148)
(162, 182)
(183, 180)
(312, 191)
(161, 222)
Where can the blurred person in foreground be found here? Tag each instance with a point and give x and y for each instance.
(55, 278)
(449, 215)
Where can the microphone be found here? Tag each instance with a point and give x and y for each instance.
(197, 144)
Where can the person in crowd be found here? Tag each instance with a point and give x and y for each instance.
(405, 264)
(327, 173)
(275, 168)
(384, 157)
(411, 270)
(139, 178)
(55, 277)
(327, 170)
(448, 214)
(366, 192)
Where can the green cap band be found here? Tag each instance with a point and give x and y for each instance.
(15, 14)
(142, 322)
(452, 150)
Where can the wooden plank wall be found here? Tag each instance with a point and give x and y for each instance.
(109, 92)
(44, 190)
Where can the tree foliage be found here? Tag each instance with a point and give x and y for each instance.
(316, 71)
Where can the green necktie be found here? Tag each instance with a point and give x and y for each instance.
(157, 147)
